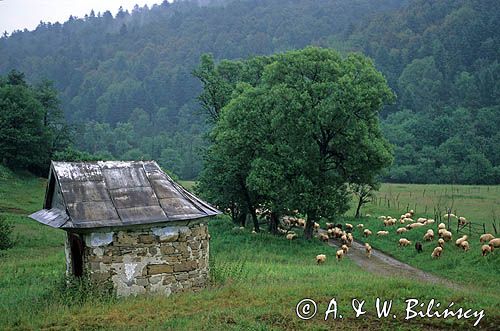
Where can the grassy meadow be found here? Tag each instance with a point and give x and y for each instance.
(257, 279)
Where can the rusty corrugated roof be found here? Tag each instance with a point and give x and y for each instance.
(117, 193)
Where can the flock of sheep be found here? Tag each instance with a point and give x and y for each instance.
(344, 233)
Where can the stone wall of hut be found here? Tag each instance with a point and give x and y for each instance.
(158, 259)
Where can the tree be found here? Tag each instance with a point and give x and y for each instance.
(364, 193)
(306, 129)
(32, 127)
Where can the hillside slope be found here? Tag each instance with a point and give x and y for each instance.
(126, 80)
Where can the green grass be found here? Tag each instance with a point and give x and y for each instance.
(257, 281)
(479, 204)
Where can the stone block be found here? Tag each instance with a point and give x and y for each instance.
(185, 266)
(155, 269)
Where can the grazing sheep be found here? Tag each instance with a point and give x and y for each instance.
(360, 226)
(403, 242)
(495, 243)
(329, 226)
(429, 235)
(254, 232)
(418, 247)
(291, 236)
(409, 220)
(402, 221)
(316, 226)
(408, 215)
(339, 255)
(411, 212)
(389, 222)
(437, 252)
(440, 232)
(320, 259)
(348, 227)
(382, 233)
(368, 215)
(368, 250)
(323, 237)
(381, 217)
(345, 248)
(337, 233)
(367, 233)
(449, 215)
(343, 239)
(429, 221)
(422, 220)
(465, 245)
(414, 225)
(486, 237)
(459, 241)
(462, 220)
(442, 226)
(401, 230)
(485, 249)
(447, 236)
(440, 242)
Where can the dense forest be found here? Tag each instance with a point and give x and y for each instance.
(127, 87)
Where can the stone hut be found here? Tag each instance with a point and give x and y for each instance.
(130, 225)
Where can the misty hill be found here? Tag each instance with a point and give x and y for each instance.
(126, 81)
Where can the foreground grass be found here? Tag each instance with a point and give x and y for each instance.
(256, 282)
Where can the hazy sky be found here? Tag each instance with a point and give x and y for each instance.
(20, 14)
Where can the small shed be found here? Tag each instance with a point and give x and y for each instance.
(129, 224)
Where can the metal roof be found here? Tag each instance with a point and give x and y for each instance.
(117, 193)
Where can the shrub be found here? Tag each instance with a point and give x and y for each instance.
(6, 229)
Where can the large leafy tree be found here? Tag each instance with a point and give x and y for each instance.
(303, 131)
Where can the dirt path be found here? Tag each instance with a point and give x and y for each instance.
(382, 264)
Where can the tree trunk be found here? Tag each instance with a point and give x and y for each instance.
(360, 203)
(255, 220)
(273, 223)
(308, 231)
(242, 217)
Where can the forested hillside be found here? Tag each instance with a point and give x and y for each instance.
(126, 80)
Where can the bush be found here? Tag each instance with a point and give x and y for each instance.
(6, 229)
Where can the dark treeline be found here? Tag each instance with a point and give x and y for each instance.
(126, 80)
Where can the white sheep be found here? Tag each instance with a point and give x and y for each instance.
(345, 248)
(367, 233)
(437, 252)
(368, 250)
(349, 226)
(442, 226)
(320, 259)
(414, 225)
(422, 220)
(495, 243)
(447, 236)
(360, 226)
(485, 249)
(404, 242)
(486, 237)
(429, 221)
(323, 237)
(429, 235)
(382, 233)
(459, 241)
(339, 255)
(465, 245)
(441, 242)
(401, 230)
(291, 236)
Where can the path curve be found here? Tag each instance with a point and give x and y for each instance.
(385, 265)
